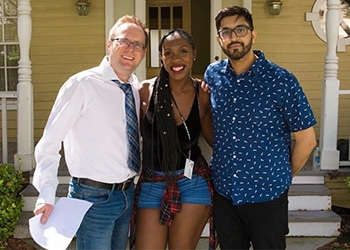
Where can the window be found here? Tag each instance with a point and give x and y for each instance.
(9, 46)
(344, 12)
(318, 19)
(161, 17)
(161, 20)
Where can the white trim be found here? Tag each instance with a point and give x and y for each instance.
(247, 4)
(109, 16)
(215, 50)
(140, 12)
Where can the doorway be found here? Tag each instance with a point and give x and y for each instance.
(190, 15)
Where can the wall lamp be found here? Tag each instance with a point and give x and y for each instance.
(83, 7)
(274, 7)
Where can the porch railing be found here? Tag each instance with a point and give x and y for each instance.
(5, 96)
(345, 163)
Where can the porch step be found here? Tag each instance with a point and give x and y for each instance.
(301, 224)
(301, 196)
(309, 206)
(314, 223)
(309, 197)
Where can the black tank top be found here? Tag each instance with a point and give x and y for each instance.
(152, 152)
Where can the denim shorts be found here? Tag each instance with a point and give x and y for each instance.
(193, 191)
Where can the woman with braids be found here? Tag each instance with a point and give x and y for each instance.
(174, 193)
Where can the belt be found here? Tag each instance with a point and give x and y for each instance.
(117, 186)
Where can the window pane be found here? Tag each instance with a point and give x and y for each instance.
(177, 17)
(153, 48)
(2, 56)
(2, 80)
(153, 18)
(10, 8)
(344, 11)
(12, 55)
(165, 16)
(11, 30)
(12, 79)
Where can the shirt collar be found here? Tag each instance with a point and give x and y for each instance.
(256, 66)
(109, 74)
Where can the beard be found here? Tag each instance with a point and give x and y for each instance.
(237, 54)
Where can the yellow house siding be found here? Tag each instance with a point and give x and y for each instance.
(63, 43)
(340, 191)
(11, 126)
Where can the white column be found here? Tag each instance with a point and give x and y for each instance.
(24, 159)
(248, 4)
(215, 50)
(330, 96)
(140, 12)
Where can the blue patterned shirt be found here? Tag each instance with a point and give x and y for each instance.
(254, 114)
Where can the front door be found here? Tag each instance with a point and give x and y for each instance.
(162, 16)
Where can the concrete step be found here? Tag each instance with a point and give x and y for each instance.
(301, 196)
(309, 197)
(314, 223)
(301, 223)
(308, 224)
(30, 195)
(308, 179)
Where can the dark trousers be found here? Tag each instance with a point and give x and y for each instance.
(264, 225)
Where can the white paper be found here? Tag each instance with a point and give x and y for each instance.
(63, 223)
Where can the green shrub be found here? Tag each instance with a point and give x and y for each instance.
(347, 181)
(11, 202)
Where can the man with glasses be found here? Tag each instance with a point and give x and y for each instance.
(89, 117)
(256, 107)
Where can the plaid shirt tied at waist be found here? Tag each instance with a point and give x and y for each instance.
(171, 200)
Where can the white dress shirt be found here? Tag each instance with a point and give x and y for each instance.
(88, 116)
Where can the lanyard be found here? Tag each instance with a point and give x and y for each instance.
(184, 123)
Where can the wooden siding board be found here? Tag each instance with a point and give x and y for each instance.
(64, 43)
(340, 192)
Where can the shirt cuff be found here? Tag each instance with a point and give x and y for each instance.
(46, 196)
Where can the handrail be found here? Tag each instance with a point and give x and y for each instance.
(4, 95)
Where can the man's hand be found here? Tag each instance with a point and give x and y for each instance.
(46, 210)
(203, 84)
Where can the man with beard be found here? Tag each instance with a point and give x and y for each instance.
(257, 106)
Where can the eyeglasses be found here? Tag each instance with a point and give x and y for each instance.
(240, 31)
(124, 42)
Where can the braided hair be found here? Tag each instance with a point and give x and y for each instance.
(164, 115)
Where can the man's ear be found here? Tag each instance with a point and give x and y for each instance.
(218, 39)
(254, 34)
(108, 45)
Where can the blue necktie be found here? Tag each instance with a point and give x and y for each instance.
(132, 127)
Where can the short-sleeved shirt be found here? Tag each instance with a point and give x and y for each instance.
(254, 114)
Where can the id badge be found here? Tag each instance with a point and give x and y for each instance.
(189, 168)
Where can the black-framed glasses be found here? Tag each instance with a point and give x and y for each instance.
(124, 42)
(240, 31)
